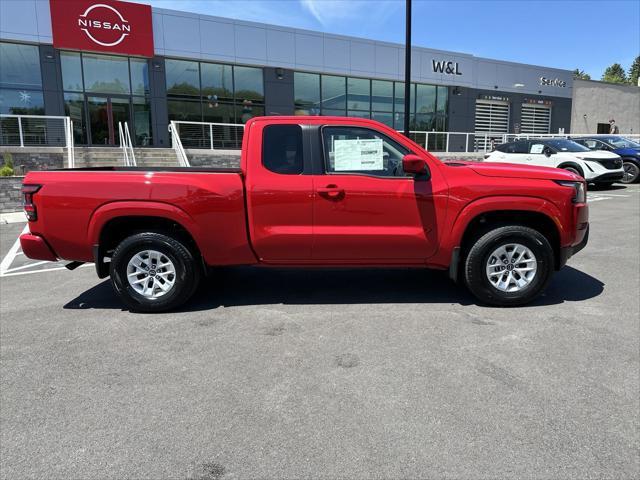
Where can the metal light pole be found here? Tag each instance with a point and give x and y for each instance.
(407, 70)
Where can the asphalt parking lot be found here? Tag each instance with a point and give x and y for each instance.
(327, 374)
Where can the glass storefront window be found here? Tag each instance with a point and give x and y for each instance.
(184, 110)
(105, 74)
(218, 112)
(248, 84)
(20, 66)
(71, 71)
(382, 96)
(425, 98)
(183, 78)
(139, 76)
(358, 94)
(142, 122)
(217, 80)
(358, 114)
(74, 108)
(441, 108)
(306, 87)
(334, 93)
(21, 101)
(383, 117)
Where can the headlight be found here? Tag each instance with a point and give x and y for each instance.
(580, 189)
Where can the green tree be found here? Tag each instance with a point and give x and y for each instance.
(614, 74)
(581, 74)
(634, 71)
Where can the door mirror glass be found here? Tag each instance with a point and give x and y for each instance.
(548, 152)
(415, 165)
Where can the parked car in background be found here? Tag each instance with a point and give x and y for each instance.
(598, 167)
(628, 150)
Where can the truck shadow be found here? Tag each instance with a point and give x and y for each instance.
(240, 286)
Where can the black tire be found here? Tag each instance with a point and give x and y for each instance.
(476, 261)
(632, 172)
(186, 278)
(575, 170)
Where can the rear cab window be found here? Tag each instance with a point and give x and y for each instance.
(358, 150)
(282, 150)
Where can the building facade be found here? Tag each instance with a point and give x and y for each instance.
(210, 69)
(595, 103)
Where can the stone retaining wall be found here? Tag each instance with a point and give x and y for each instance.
(10, 196)
(34, 158)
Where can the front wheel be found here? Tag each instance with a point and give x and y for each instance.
(509, 266)
(152, 272)
(631, 172)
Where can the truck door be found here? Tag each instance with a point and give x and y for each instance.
(279, 192)
(366, 209)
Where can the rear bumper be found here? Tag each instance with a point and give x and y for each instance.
(36, 247)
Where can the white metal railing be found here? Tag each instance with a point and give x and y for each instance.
(126, 145)
(472, 142)
(38, 131)
(212, 136)
(176, 142)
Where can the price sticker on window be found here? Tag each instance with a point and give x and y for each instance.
(537, 148)
(358, 154)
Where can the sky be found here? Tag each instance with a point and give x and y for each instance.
(585, 34)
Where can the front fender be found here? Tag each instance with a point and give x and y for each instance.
(503, 203)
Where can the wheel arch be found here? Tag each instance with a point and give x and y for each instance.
(572, 165)
(114, 222)
(487, 214)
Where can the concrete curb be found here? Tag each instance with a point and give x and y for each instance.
(13, 217)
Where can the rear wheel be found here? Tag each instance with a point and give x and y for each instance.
(509, 266)
(152, 272)
(631, 172)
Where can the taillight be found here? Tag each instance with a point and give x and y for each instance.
(28, 191)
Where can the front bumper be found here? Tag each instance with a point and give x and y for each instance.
(36, 247)
(567, 252)
(608, 177)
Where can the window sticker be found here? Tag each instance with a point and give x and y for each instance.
(358, 154)
(537, 148)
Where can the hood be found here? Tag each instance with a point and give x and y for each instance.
(511, 170)
(627, 152)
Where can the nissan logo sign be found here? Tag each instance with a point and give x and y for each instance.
(104, 25)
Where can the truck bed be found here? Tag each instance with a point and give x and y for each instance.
(74, 205)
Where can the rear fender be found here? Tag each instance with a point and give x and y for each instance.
(109, 211)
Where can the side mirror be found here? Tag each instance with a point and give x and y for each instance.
(547, 152)
(416, 165)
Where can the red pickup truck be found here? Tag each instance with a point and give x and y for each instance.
(311, 192)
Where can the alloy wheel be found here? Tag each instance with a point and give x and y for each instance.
(511, 267)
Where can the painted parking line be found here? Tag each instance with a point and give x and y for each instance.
(9, 267)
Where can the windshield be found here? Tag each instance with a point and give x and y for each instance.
(562, 145)
(619, 142)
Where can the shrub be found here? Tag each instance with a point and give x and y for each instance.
(8, 159)
(6, 171)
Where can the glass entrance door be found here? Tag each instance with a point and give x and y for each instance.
(104, 115)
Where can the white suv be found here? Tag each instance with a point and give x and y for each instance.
(599, 167)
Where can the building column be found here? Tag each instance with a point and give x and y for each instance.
(278, 91)
(51, 80)
(159, 111)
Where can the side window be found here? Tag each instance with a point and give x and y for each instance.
(360, 150)
(282, 149)
(536, 147)
(521, 146)
(590, 144)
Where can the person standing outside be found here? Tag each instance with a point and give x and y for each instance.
(613, 130)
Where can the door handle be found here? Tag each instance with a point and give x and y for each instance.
(331, 191)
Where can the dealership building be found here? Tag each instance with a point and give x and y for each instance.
(103, 62)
